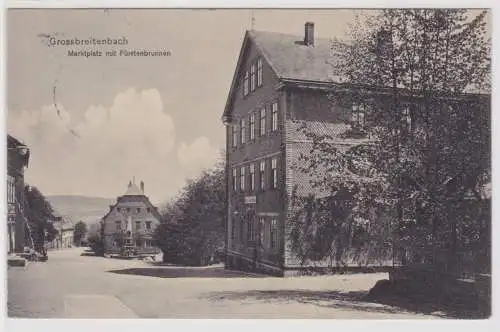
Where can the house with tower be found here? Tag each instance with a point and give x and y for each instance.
(130, 222)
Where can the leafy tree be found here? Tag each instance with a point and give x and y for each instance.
(193, 227)
(40, 215)
(427, 142)
(79, 232)
(96, 244)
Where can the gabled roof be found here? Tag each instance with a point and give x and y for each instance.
(133, 190)
(289, 58)
(293, 61)
(13, 142)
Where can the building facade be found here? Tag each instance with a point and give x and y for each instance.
(17, 160)
(280, 93)
(65, 229)
(132, 217)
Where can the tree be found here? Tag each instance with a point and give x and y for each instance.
(96, 244)
(193, 227)
(79, 232)
(410, 70)
(40, 214)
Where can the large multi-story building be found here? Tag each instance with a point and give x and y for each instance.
(17, 160)
(279, 94)
(132, 217)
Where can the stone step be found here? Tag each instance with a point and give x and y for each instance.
(16, 261)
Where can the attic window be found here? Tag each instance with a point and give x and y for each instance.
(245, 83)
(259, 72)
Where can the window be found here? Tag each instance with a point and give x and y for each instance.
(358, 116)
(262, 174)
(274, 173)
(148, 225)
(259, 72)
(118, 225)
(243, 131)
(11, 189)
(148, 210)
(128, 209)
(252, 126)
(250, 230)
(137, 225)
(273, 233)
(252, 77)
(245, 84)
(262, 122)
(235, 185)
(274, 118)
(138, 210)
(242, 178)
(251, 179)
(406, 119)
(235, 135)
(118, 209)
(262, 227)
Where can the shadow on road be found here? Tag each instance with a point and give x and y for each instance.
(185, 272)
(353, 300)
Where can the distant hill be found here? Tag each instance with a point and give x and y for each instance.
(87, 209)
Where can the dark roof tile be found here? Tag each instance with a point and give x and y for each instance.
(292, 59)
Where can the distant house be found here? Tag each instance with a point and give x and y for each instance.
(64, 238)
(18, 156)
(132, 216)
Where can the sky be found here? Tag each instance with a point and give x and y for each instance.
(157, 119)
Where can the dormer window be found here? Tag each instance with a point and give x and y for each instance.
(259, 72)
(358, 116)
(245, 83)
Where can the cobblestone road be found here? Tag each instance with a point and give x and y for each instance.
(71, 285)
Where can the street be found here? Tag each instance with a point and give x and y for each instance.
(70, 285)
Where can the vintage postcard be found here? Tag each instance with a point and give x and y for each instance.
(248, 163)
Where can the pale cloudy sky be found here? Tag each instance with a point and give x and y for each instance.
(155, 118)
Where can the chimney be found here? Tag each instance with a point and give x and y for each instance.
(142, 186)
(309, 34)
